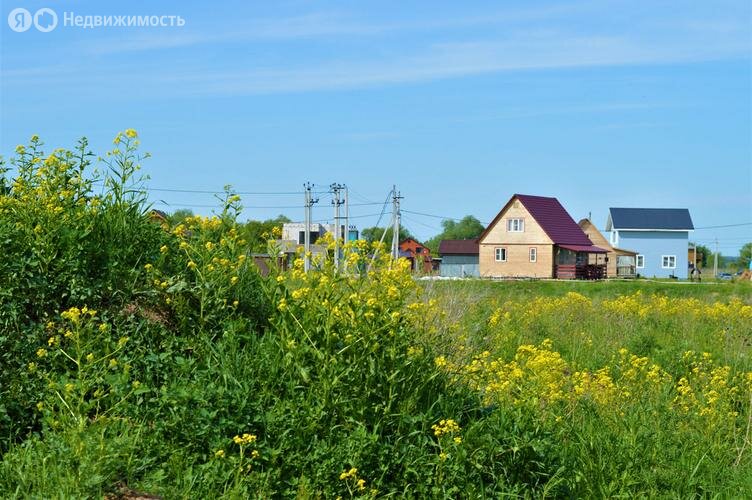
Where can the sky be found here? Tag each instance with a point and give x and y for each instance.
(459, 104)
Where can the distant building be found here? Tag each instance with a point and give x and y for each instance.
(295, 231)
(459, 258)
(620, 263)
(418, 254)
(660, 236)
(533, 236)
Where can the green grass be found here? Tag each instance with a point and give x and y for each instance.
(137, 356)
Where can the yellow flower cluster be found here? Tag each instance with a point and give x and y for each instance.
(352, 474)
(709, 391)
(245, 439)
(74, 314)
(643, 305)
(447, 426)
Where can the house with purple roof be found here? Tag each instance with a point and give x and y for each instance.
(535, 237)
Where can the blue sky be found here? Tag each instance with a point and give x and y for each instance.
(460, 104)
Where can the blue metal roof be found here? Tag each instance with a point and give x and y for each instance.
(676, 219)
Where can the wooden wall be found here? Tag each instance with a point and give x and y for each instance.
(518, 261)
(518, 247)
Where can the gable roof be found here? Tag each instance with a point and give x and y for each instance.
(666, 219)
(593, 234)
(598, 239)
(458, 247)
(552, 218)
(555, 221)
(409, 239)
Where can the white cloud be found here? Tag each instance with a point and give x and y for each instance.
(386, 62)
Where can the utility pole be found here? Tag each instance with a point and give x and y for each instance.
(396, 197)
(347, 215)
(336, 188)
(309, 201)
(715, 260)
(383, 234)
(694, 257)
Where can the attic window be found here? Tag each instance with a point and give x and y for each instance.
(515, 225)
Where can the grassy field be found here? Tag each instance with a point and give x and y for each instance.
(646, 385)
(139, 356)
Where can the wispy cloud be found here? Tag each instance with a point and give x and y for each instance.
(385, 62)
(318, 24)
(453, 60)
(328, 24)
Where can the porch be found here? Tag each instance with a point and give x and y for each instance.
(582, 262)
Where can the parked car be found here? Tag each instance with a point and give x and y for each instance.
(724, 276)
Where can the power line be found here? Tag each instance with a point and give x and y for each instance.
(439, 216)
(252, 206)
(383, 208)
(725, 239)
(422, 223)
(203, 191)
(726, 225)
(352, 217)
(360, 196)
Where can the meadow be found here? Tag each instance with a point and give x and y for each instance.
(143, 356)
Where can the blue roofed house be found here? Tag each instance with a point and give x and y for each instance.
(660, 236)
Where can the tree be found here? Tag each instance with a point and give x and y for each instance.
(745, 256)
(371, 234)
(467, 228)
(179, 216)
(258, 233)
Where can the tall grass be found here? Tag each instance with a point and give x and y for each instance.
(139, 356)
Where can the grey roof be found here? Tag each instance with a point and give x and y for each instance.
(676, 219)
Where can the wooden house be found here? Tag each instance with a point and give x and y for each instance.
(533, 236)
(620, 263)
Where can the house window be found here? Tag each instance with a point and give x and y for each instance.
(533, 254)
(669, 262)
(418, 250)
(640, 261)
(501, 255)
(515, 225)
(613, 237)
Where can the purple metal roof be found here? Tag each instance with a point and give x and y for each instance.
(458, 247)
(555, 221)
